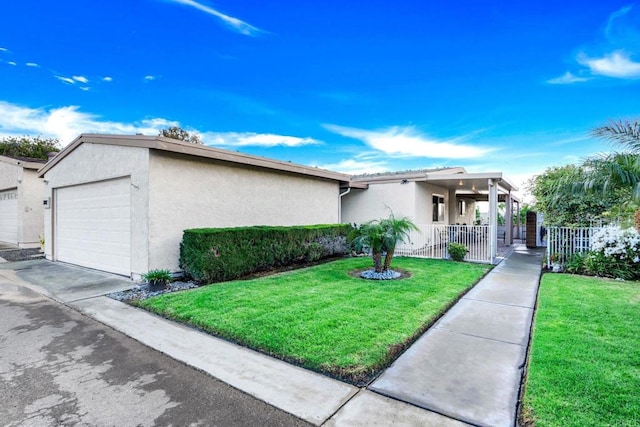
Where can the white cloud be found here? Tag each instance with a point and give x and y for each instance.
(406, 141)
(84, 88)
(617, 64)
(67, 123)
(32, 64)
(12, 63)
(234, 23)
(243, 139)
(356, 167)
(567, 78)
(81, 79)
(149, 77)
(4, 49)
(107, 79)
(67, 80)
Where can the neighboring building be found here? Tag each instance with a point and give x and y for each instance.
(431, 197)
(21, 202)
(120, 203)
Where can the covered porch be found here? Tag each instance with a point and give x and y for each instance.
(482, 240)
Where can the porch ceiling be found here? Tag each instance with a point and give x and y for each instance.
(472, 183)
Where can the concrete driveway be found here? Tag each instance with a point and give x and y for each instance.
(59, 367)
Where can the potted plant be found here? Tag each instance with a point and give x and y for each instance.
(157, 279)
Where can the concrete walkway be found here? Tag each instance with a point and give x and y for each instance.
(466, 369)
(469, 365)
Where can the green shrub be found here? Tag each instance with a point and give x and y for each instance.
(219, 254)
(576, 264)
(157, 275)
(457, 251)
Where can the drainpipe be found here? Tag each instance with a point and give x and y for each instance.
(340, 204)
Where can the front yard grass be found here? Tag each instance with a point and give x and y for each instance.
(585, 359)
(321, 317)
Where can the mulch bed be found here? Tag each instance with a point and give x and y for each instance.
(13, 255)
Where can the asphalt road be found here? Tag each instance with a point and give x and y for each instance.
(60, 368)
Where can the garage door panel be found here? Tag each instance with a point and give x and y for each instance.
(94, 225)
(9, 216)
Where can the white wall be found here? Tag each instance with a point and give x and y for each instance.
(30, 188)
(188, 192)
(98, 162)
(360, 206)
(30, 210)
(424, 203)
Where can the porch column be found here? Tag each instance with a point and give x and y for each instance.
(453, 207)
(493, 219)
(508, 220)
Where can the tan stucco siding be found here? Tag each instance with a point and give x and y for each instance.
(91, 163)
(9, 176)
(186, 192)
(360, 206)
(30, 209)
(30, 188)
(424, 203)
(470, 215)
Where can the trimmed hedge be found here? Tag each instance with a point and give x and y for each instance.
(219, 254)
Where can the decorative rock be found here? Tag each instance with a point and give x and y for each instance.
(385, 275)
(143, 291)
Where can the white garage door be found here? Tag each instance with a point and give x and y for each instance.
(93, 225)
(9, 216)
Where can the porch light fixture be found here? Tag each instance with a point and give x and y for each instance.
(473, 187)
(460, 183)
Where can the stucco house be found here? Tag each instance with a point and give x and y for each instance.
(20, 202)
(120, 203)
(437, 198)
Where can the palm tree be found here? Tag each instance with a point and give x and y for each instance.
(382, 236)
(619, 169)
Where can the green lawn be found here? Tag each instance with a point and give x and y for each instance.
(585, 359)
(321, 317)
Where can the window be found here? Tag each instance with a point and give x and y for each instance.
(438, 209)
(462, 207)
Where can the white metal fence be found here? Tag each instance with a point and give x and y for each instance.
(563, 242)
(430, 241)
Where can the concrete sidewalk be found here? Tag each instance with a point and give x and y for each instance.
(469, 365)
(466, 368)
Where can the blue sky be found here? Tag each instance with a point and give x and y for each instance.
(355, 87)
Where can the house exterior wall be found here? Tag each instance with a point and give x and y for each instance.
(30, 190)
(30, 209)
(424, 203)
(469, 217)
(360, 206)
(188, 192)
(99, 162)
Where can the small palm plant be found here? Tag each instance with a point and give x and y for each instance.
(382, 236)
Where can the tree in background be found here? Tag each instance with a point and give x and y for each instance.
(564, 203)
(178, 133)
(32, 147)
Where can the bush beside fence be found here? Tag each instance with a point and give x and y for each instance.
(219, 254)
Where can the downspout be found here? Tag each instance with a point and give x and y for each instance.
(340, 204)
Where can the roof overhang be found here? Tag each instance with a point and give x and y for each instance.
(197, 150)
(406, 176)
(472, 181)
(26, 164)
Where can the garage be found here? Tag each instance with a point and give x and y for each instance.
(121, 203)
(93, 225)
(9, 216)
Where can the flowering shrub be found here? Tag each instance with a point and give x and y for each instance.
(615, 252)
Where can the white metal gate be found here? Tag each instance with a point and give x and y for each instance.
(430, 241)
